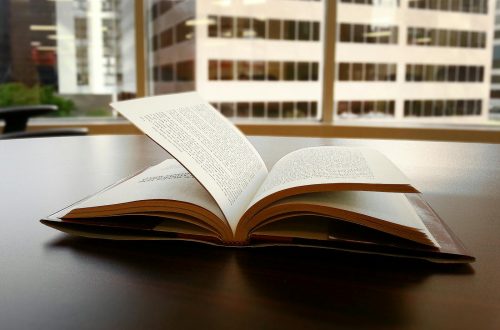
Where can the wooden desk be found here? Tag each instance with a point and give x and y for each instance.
(49, 280)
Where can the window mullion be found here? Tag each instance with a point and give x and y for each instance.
(140, 49)
(330, 31)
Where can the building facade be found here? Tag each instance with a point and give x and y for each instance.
(88, 46)
(27, 49)
(395, 60)
(250, 59)
(414, 60)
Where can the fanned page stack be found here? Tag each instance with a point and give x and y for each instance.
(217, 190)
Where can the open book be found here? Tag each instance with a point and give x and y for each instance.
(218, 190)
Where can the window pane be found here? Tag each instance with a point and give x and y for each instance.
(213, 70)
(185, 71)
(274, 71)
(243, 109)
(167, 38)
(357, 72)
(289, 70)
(344, 71)
(228, 109)
(274, 29)
(273, 110)
(167, 72)
(289, 30)
(243, 70)
(259, 28)
(183, 31)
(303, 71)
(422, 58)
(227, 27)
(370, 71)
(345, 32)
(258, 109)
(226, 70)
(213, 27)
(304, 30)
(259, 70)
(243, 28)
(55, 52)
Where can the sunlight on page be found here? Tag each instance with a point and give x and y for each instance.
(205, 142)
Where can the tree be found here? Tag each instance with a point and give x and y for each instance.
(13, 94)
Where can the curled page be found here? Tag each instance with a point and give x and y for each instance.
(207, 144)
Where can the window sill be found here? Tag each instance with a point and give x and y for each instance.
(358, 130)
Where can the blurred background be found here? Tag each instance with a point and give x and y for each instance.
(259, 61)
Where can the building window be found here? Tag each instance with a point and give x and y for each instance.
(167, 73)
(184, 32)
(160, 7)
(444, 73)
(258, 109)
(185, 71)
(262, 70)
(385, 3)
(465, 6)
(420, 36)
(167, 38)
(369, 34)
(367, 71)
(226, 27)
(365, 109)
(495, 79)
(252, 28)
(442, 108)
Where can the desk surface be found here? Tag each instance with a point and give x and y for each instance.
(49, 280)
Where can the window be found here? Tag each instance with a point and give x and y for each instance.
(444, 73)
(409, 71)
(167, 38)
(254, 51)
(274, 29)
(465, 6)
(183, 31)
(226, 28)
(167, 73)
(365, 109)
(226, 70)
(185, 71)
(446, 38)
(372, 34)
(255, 28)
(243, 28)
(376, 72)
(440, 108)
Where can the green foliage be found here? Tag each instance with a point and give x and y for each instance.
(98, 112)
(13, 94)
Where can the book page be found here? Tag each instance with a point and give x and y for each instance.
(329, 165)
(205, 142)
(389, 207)
(166, 181)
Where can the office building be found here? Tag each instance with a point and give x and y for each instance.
(412, 61)
(249, 59)
(27, 52)
(88, 45)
